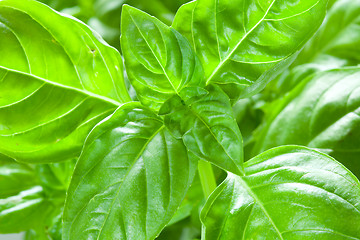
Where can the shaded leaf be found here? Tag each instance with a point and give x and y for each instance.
(324, 112)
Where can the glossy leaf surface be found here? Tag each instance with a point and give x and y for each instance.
(327, 105)
(159, 61)
(288, 193)
(183, 20)
(57, 76)
(239, 41)
(130, 179)
(204, 119)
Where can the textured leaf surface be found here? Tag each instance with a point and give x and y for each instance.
(239, 41)
(327, 105)
(287, 193)
(57, 80)
(204, 119)
(159, 61)
(130, 179)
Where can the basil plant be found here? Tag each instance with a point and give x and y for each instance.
(224, 125)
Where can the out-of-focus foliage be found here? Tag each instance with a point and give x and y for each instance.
(104, 15)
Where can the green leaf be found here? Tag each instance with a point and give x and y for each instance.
(339, 36)
(288, 193)
(324, 112)
(15, 177)
(27, 210)
(56, 176)
(241, 42)
(159, 61)
(205, 121)
(183, 20)
(58, 77)
(27, 199)
(130, 179)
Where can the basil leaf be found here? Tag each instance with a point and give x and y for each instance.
(240, 42)
(327, 105)
(58, 76)
(287, 193)
(56, 176)
(130, 179)
(159, 61)
(28, 200)
(15, 177)
(204, 119)
(27, 210)
(183, 20)
(339, 36)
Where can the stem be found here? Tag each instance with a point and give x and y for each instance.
(207, 178)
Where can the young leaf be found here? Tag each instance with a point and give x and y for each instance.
(183, 20)
(130, 179)
(238, 41)
(204, 119)
(327, 105)
(159, 61)
(288, 193)
(58, 76)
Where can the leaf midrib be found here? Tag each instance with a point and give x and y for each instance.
(152, 51)
(81, 91)
(261, 205)
(222, 62)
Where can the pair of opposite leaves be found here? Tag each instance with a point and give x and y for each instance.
(109, 94)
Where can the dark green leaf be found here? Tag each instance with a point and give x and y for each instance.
(159, 61)
(56, 76)
(130, 179)
(288, 193)
(205, 121)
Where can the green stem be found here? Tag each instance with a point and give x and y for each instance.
(207, 178)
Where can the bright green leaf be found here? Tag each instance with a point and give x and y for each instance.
(205, 121)
(130, 179)
(183, 20)
(288, 193)
(56, 76)
(27, 210)
(159, 61)
(244, 42)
